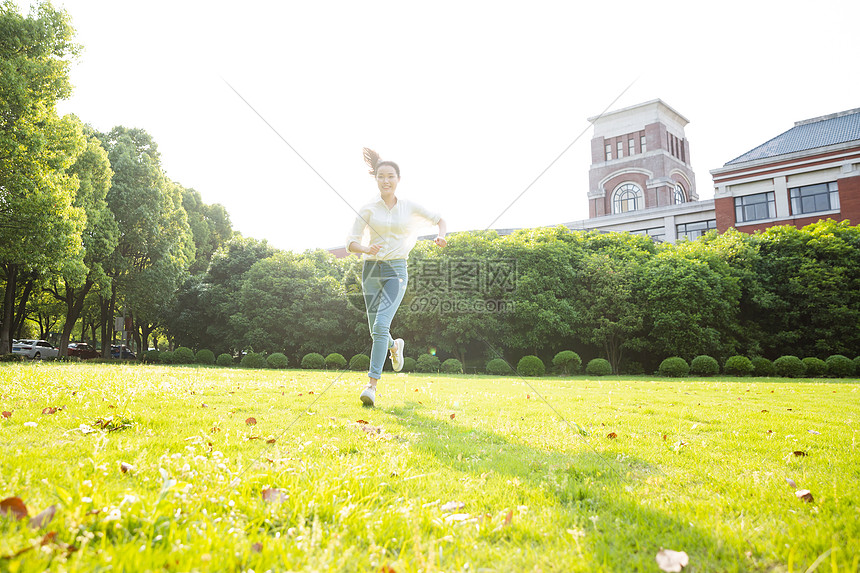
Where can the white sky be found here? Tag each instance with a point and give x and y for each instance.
(472, 99)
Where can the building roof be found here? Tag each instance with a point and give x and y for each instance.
(808, 134)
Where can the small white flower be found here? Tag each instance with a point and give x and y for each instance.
(30, 424)
(86, 499)
(114, 515)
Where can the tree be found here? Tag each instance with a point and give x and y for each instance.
(39, 225)
(210, 226)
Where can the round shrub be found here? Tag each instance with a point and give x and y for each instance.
(313, 361)
(335, 361)
(409, 364)
(739, 366)
(498, 367)
(789, 367)
(224, 360)
(452, 366)
(598, 367)
(763, 367)
(183, 355)
(567, 361)
(151, 357)
(839, 366)
(253, 360)
(359, 362)
(814, 366)
(278, 360)
(531, 366)
(205, 356)
(674, 367)
(427, 363)
(166, 357)
(704, 365)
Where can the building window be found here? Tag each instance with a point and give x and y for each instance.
(628, 197)
(631, 147)
(620, 149)
(608, 152)
(679, 194)
(814, 198)
(657, 234)
(755, 207)
(642, 143)
(693, 231)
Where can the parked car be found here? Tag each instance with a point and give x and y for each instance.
(82, 350)
(35, 349)
(126, 352)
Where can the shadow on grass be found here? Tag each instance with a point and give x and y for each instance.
(623, 533)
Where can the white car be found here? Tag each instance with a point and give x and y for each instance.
(35, 349)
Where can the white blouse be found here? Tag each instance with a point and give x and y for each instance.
(395, 229)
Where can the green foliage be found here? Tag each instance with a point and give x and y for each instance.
(11, 358)
(738, 366)
(567, 361)
(531, 365)
(498, 367)
(704, 365)
(313, 361)
(409, 364)
(427, 363)
(152, 357)
(183, 355)
(839, 366)
(674, 367)
(166, 357)
(277, 360)
(789, 366)
(335, 361)
(253, 360)
(452, 366)
(598, 367)
(224, 360)
(763, 367)
(814, 366)
(359, 362)
(205, 356)
(856, 362)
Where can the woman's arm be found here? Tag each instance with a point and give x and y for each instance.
(443, 230)
(355, 247)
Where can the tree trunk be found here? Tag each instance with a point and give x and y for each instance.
(21, 313)
(74, 305)
(6, 325)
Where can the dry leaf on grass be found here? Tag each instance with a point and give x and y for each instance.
(49, 410)
(791, 482)
(672, 561)
(611, 435)
(800, 453)
(7, 414)
(452, 505)
(125, 467)
(257, 547)
(273, 495)
(14, 506)
(44, 518)
(805, 495)
(251, 421)
(452, 416)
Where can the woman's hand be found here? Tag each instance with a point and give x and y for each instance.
(372, 249)
(440, 241)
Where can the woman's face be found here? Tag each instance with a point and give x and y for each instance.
(387, 179)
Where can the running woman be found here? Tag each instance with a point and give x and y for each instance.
(392, 223)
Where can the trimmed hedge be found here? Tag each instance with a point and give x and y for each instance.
(253, 360)
(839, 366)
(166, 357)
(359, 362)
(498, 367)
(789, 367)
(427, 363)
(674, 367)
(598, 367)
(763, 367)
(739, 366)
(278, 360)
(531, 366)
(151, 357)
(313, 361)
(452, 366)
(409, 364)
(704, 365)
(224, 359)
(183, 355)
(205, 356)
(567, 361)
(335, 361)
(814, 366)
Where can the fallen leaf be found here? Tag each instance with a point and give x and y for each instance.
(49, 410)
(7, 414)
(309, 393)
(611, 435)
(43, 518)
(528, 396)
(764, 411)
(271, 441)
(251, 421)
(257, 547)
(273, 495)
(203, 405)
(249, 438)
(125, 467)
(14, 506)
(387, 569)
(361, 422)
(664, 437)
(804, 494)
(800, 453)
(452, 416)
(509, 517)
(452, 505)
(672, 561)
(791, 482)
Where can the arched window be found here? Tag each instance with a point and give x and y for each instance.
(627, 197)
(679, 194)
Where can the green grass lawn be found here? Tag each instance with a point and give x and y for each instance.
(449, 473)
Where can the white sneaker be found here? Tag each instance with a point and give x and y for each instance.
(368, 396)
(397, 355)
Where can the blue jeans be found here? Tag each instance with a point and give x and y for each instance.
(384, 284)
